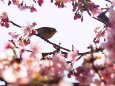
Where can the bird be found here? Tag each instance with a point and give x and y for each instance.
(103, 18)
(45, 32)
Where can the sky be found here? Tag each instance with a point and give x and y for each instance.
(69, 31)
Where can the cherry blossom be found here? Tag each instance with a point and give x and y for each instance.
(4, 19)
(23, 63)
(72, 56)
(108, 75)
(40, 2)
(24, 39)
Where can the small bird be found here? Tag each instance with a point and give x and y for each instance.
(45, 32)
(103, 18)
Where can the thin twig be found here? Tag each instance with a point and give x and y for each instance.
(79, 57)
(95, 69)
(93, 65)
(58, 46)
(15, 24)
(55, 45)
(34, 1)
(42, 38)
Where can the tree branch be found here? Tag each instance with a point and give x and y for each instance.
(60, 47)
(96, 70)
(15, 24)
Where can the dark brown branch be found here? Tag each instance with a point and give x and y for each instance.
(96, 70)
(58, 46)
(103, 18)
(55, 45)
(79, 57)
(15, 24)
(108, 1)
(34, 1)
(89, 52)
(93, 65)
(42, 38)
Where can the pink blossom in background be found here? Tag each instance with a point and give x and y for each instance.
(110, 44)
(22, 63)
(109, 75)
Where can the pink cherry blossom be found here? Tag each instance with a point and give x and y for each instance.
(4, 19)
(108, 75)
(72, 55)
(84, 75)
(56, 67)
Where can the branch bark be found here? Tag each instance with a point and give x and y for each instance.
(60, 47)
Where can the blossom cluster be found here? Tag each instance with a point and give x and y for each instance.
(27, 68)
(78, 6)
(20, 66)
(4, 19)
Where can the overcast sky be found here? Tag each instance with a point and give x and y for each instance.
(69, 31)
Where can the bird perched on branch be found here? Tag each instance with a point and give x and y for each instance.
(45, 32)
(103, 18)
